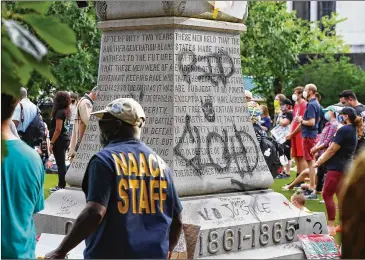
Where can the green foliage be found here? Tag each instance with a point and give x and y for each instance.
(275, 38)
(332, 76)
(21, 52)
(77, 72)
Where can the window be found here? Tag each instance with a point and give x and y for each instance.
(326, 8)
(303, 9)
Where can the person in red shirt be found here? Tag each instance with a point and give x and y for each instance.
(296, 135)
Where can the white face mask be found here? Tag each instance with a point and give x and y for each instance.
(294, 97)
(305, 94)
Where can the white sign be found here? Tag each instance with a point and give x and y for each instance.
(280, 133)
(236, 9)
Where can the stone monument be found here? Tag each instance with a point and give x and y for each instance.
(181, 61)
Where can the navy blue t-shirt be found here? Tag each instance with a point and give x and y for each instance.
(345, 137)
(136, 186)
(266, 121)
(312, 111)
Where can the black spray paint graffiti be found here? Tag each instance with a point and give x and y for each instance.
(240, 208)
(215, 58)
(169, 8)
(243, 166)
(208, 109)
(319, 224)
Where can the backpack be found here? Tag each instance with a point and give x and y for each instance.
(36, 131)
(322, 121)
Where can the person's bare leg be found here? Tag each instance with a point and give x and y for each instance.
(312, 176)
(299, 179)
(302, 164)
(288, 166)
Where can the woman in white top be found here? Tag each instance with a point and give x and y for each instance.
(73, 106)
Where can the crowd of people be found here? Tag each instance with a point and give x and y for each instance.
(322, 141)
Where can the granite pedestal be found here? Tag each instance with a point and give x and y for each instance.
(186, 73)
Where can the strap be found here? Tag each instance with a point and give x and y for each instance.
(21, 113)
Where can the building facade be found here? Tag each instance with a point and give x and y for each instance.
(353, 29)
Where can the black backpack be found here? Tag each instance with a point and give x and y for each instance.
(36, 131)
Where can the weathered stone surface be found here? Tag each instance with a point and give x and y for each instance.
(244, 225)
(60, 211)
(241, 225)
(49, 242)
(189, 83)
(115, 10)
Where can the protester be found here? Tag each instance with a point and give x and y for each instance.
(348, 98)
(286, 119)
(27, 120)
(279, 98)
(22, 178)
(337, 158)
(116, 222)
(298, 200)
(352, 211)
(296, 136)
(327, 136)
(83, 110)
(325, 140)
(265, 119)
(309, 127)
(73, 107)
(248, 96)
(60, 139)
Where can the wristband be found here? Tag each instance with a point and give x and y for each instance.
(52, 143)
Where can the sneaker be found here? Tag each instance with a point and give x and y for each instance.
(322, 202)
(286, 176)
(279, 176)
(55, 189)
(307, 192)
(338, 229)
(331, 231)
(312, 196)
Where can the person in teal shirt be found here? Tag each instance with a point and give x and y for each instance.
(22, 178)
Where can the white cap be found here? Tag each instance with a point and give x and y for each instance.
(248, 94)
(125, 109)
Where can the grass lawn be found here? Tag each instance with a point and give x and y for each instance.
(314, 205)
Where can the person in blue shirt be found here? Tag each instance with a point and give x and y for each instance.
(309, 127)
(22, 178)
(133, 209)
(265, 119)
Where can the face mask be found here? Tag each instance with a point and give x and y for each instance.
(276, 104)
(104, 139)
(283, 108)
(327, 116)
(305, 94)
(294, 97)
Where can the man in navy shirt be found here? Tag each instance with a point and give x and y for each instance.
(309, 127)
(133, 210)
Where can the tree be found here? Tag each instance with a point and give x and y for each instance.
(22, 52)
(273, 41)
(331, 76)
(77, 72)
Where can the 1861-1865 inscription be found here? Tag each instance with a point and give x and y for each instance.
(190, 86)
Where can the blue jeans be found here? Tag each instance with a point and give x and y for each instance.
(70, 128)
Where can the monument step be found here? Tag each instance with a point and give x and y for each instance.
(288, 251)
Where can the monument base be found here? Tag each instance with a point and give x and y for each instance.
(245, 225)
(61, 209)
